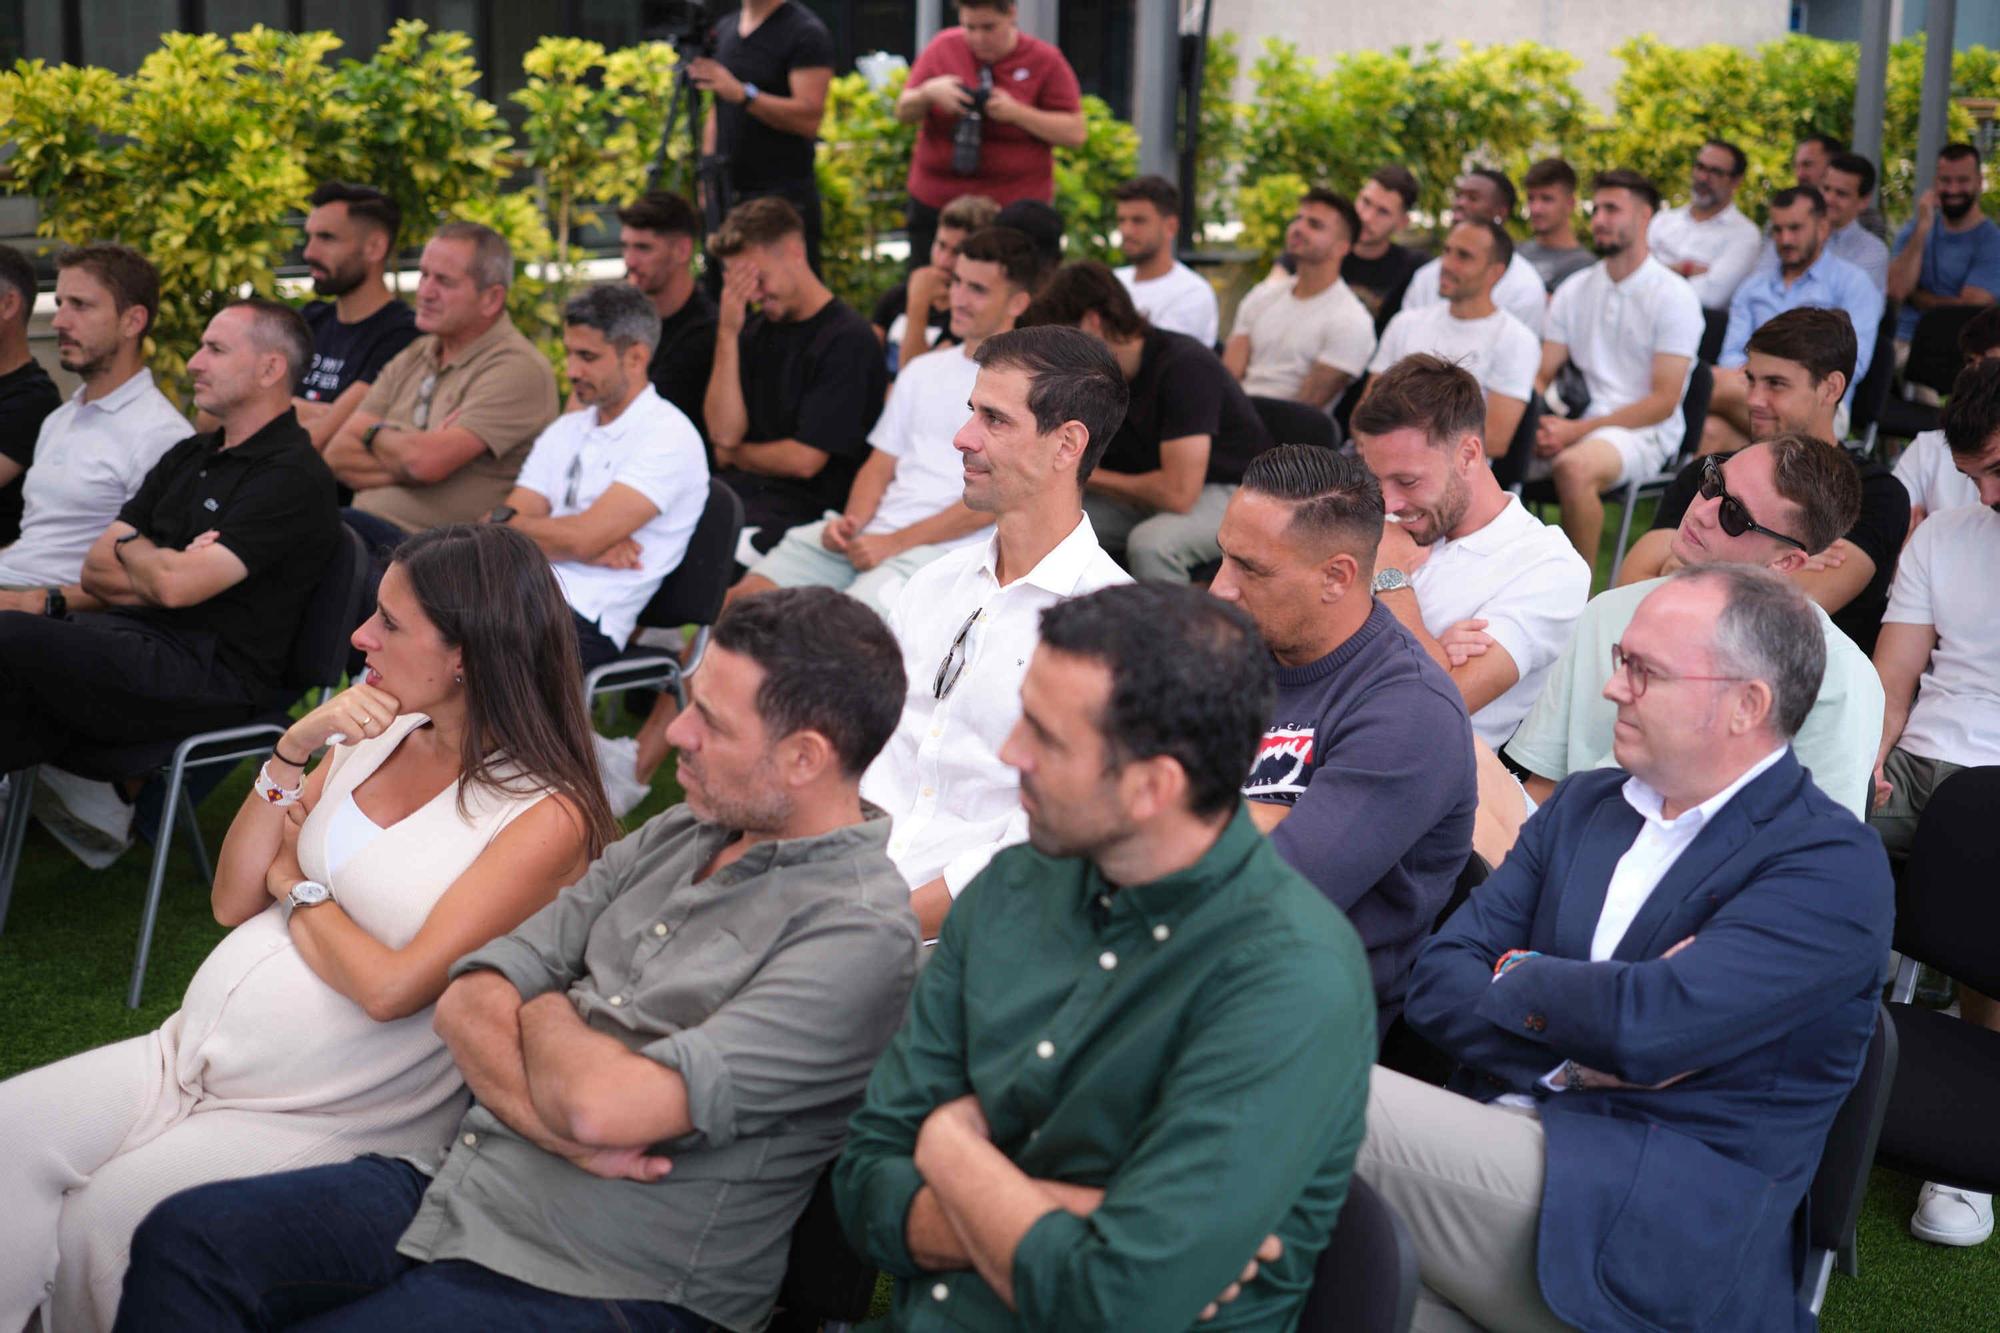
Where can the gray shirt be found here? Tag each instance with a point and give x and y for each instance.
(771, 986)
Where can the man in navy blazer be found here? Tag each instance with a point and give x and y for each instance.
(1658, 1001)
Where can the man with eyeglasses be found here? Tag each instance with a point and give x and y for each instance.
(446, 426)
(1670, 940)
(1765, 506)
(1045, 404)
(1707, 240)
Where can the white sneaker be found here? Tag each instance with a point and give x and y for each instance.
(90, 818)
(618, 761)
(1947, 1216)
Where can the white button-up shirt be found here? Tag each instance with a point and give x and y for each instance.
(952, 802)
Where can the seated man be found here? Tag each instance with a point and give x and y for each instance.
(27, 394)
(1633, 329)
(1949, 252)
(1925, 466)
(93, 452)
(1552, 247)
(1378, 270)
(1806, 273)
(205, 573)
(658, 235)
(1140, 1052)
(907, 339)
(1364, 779)
(1467, 328)
(1190, 430)
(1486, 195)
(651, 1111)
(1707, 240)
(443, 432)
(612, 491)
(1771, 505)
(1670, 941)
(1488, 589)
(1167, 292)
(350, 242)
(794, 388)
(906, 509)
(1795, 373)
(1848, 186)
(1813, 157)
(1302, 334)
(1044, 405)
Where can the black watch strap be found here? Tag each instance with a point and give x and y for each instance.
(55, 605)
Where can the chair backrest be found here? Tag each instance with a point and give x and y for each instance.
(1294, 423)
(1366, 1278)
(1834, 1200)
(1934, 356)
(1947, 914)
(1512, 467)
(824, 1278)
(1873, 390)
(692, 594)
(1714, 328)
(333, 612)
(1694, 408)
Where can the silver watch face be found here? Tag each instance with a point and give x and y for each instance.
(1388, 580)
(309, 891)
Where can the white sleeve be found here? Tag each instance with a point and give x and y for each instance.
(1394, 345)
(1423, 288)
(1250, 307)
(1516, 360)
(1910, 600)
(892, 429)
(1733, 264)
(538, 470)
(1347, 340)
(1678, 324)
(671, 465)
(1200, 315)
(1534, 617)
(1562, 309)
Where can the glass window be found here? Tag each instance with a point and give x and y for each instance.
(118, 34)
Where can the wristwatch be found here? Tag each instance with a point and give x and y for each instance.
(750, 93)
(501, 513)
(1389, 579)
(306, 893)
(118, 546)
(55, 605)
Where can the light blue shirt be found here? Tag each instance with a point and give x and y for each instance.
(1953, 261)
(1831, 282)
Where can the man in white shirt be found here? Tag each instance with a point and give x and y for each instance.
(1046, 402)
(1469, 329)
(1167, 292)
(1707, 241)
(1633, 329)
(94, 450)
(904, 509)
(1485, 195)
(1305, 335)
(1488, 589)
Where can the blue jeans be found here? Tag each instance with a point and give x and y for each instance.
(317, 1249)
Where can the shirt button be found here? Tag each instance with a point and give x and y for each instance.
(930, 791)
(1161, 931)
(940, 1291)
(1045, 1048)
(1107, 960)
(660, 928)
(617, 1000)
(937, 731)
(470, 1140)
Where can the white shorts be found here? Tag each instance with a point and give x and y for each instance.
(1643, 451)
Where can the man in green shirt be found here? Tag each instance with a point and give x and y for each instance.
(1140, 1052)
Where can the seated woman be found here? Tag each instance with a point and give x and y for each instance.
(459, 796)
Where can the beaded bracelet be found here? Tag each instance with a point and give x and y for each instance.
(272, 792)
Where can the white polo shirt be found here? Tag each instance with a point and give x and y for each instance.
(1180, 301)
(1728, 243)
(1523, 578)
(1945, 580)
(650, 447)
(926, 409)
(89, 460)
(1520, 291)
(1928, 474)
(1288, 335)
(1497, 350)
(1614, 329)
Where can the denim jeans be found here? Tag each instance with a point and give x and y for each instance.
(317, 1249)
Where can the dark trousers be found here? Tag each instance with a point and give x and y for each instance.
(381, 537)
(317, 1249)
(591, 645)
(98, 679)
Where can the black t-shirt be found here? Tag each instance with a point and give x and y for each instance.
(686, 353)
(345, 354)
(26, 396)
(1381, 282)
(1183, 389)
(819, 381)
(272, 500)
(1879, 533)
(793, 37)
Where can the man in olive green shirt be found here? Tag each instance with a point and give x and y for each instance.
(1140, 1052)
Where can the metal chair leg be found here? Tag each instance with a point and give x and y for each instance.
(156, 881)
(13, 831)
(197, 844)
(1624, 529)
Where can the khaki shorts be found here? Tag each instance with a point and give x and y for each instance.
(1912, 779)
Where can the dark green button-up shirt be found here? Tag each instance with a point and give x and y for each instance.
(1197, 1047)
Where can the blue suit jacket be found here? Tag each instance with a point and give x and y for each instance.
(1673, 1209)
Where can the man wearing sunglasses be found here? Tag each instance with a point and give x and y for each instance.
(1764, 507)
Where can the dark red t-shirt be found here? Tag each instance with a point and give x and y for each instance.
(1013, 164)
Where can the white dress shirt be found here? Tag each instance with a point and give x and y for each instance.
(951, 801)
(1728, 243)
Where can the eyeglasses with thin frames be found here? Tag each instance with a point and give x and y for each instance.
(1734, 516)
(1638, 675)
(955, 659)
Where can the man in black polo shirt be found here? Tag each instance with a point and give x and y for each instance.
(203, 575)
(1167, 476)
(350, 241)
(27, 394)
(657, 234)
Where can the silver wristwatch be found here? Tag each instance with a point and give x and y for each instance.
(1389, 579)
(306, 893)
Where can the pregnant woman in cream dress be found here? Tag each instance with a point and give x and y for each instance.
(459, 795)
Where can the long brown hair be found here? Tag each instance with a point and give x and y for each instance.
(491, 594)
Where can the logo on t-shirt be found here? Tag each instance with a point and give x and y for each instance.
(1283, 764)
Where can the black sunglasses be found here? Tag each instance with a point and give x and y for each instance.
(955, 658)
(1734, 518)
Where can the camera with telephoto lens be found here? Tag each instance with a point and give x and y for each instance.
(687, 25)
(971, 129)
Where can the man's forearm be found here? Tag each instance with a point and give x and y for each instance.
(1906, 268)
(943, 526)
(1648, 411)
(932, 1239)
(481, 1026)
(788, 115)
(722, 408)
(570, 538)
(1156, 489)
(991, 1203)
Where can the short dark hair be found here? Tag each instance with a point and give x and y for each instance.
(1340, 204)
(277, 327)
(756, 223)
(1158, 191)
(1423, 392)
(1190, 680)
(1004, 6)
(1498, 180)
(1857, 166)
(1958, 152)
(17, 275)
(1981, 333)
(1012, 250)
(830, 665)
(621, 312)
(662, 211)
(1738, 162)
(1767, 631)
(128, 275)
(1827, 142)
(1334, 499)
(364, 203)
(1793, 194)
(1550, 171)
(1820, 338)
(1972, 413)
(1496, 236)
(1624, 178)
(1395, 176)
(1071, 377)
(1086, 287)
(1821, 481)
(1040, 223)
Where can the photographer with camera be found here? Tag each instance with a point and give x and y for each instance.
(989, 102)
(768, 64)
